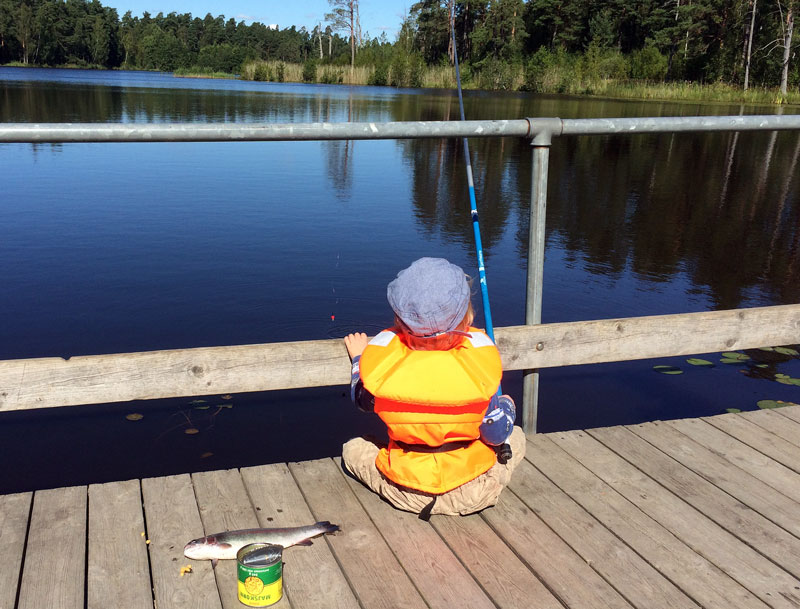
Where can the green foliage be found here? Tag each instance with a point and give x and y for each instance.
(432, 29)
(332, 75)
(262, 72)
(608, 47)
(648, 64)
(501, 34)
(407, 70)
(161, 51)
(497, 75)
(550, 72)
(602, 30)
(601, 62)
(310, 71)
(222, 57)
(380, 76)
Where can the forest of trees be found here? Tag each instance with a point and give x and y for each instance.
(739, 42)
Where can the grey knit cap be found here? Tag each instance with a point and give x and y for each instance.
(430, 297)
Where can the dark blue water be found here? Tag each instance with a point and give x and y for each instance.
(108, 248)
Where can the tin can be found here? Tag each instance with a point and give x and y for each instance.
(260, 574)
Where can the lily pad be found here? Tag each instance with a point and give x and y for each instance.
(190, 431)
(786, 350)
(787, 380)
(735, 355)
(733, 410)
(767, 404)
(667, 369)
(134, 416)
(696, 361)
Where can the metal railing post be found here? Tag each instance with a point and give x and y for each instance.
(533, 299)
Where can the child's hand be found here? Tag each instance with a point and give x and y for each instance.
(355, 343)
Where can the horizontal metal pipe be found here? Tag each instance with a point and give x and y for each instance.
(671, 124)
(225, 132)
(542, 128)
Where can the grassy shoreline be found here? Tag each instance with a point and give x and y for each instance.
(443, 77)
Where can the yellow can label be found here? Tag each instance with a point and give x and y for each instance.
(254, 593)
(262, 585)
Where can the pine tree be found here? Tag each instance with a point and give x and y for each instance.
(344, 18)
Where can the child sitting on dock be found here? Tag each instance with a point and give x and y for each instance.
(433, 380)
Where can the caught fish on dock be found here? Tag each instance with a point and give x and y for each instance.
(225, 545)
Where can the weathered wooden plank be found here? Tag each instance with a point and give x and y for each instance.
(50, 382)
(97, 379)
(436, 571)
(172, 519)
(740, 454)
(14, 512)
(118, 563)
(775, 424)
(759, 575)
(611, 340)
(791, 412)
(375, 574)
(631, 575)
(506, 579)
(570, 578)
(748, 525)
(225, 506)
(762, 440)
(53, 575)
(703, 581)
(312, 578)
(748, 489)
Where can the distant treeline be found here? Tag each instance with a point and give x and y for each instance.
(541, 45)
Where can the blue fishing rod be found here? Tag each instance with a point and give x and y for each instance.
(476, 228)
(504, 451)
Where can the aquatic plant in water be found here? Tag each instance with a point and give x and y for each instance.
(761, 363)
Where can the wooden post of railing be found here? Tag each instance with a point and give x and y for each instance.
(533, 299)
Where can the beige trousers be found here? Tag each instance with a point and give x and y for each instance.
(358, 456)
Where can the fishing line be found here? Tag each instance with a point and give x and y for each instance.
(476, 229)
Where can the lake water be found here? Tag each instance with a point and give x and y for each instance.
(108, 248)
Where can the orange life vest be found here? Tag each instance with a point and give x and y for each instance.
(432, 399)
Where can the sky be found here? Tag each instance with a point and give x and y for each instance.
(377, 16)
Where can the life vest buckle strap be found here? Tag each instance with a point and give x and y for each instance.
(424, 448)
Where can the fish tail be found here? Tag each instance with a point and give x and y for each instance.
(328, 527)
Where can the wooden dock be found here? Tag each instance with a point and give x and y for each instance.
(683, 514)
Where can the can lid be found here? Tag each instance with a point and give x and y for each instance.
(260, 554)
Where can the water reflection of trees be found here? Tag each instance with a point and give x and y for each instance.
(57, 102)
(439, 189)
(440, 194)
(722, 208)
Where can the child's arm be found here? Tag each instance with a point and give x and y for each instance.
(498, 422)
(362, 398)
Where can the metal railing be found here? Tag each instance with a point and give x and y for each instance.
(540, 131)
